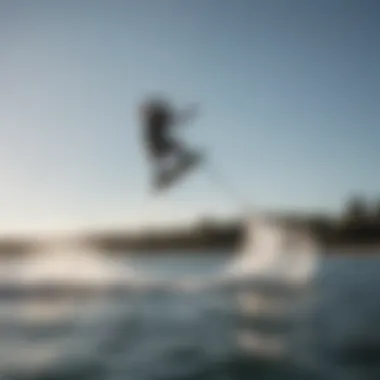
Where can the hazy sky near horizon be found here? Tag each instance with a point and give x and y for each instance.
(289, 95)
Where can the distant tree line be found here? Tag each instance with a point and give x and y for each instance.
(205, 236)
(360, 209)
(358, 223)
(16, 246)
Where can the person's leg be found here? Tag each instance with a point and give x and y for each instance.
(171, 156)
(167, 155)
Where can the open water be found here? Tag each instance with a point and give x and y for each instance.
(184, 326)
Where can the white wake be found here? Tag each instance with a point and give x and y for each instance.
(272, 248)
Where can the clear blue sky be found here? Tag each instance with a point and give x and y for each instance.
(290, 94)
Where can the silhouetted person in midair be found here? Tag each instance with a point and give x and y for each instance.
(164, 149)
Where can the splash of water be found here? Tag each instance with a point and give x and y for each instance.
(70, 264)
(273, 248)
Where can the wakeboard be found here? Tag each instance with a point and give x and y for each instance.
(169, 177)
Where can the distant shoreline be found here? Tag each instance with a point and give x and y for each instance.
(209, 237)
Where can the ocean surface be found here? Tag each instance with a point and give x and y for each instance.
(177, 324)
